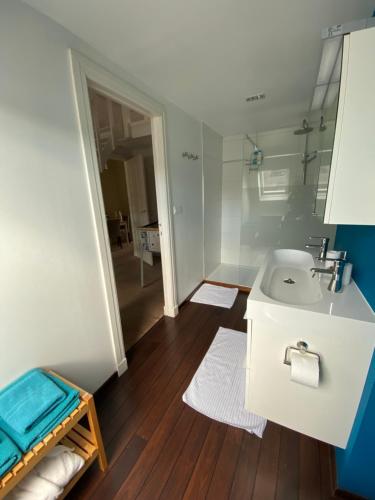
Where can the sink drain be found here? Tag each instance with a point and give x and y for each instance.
(289, 281)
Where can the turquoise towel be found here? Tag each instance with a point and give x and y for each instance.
(9, 453)
(28, 400)
(29, 439)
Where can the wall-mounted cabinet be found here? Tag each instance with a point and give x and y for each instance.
(351, 188)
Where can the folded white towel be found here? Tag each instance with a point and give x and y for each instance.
(214, 295)
(59, 466)
(34, 487)
(48, 479)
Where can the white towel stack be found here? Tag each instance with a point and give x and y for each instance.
(48, 479)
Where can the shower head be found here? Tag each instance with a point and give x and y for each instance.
(322, 126)
(306, 129)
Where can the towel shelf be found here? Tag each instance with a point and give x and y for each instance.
(86, 442)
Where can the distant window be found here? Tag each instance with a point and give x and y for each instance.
(274, 184)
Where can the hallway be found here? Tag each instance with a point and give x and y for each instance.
(140, 308)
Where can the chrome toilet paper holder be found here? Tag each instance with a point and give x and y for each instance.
(302, 348)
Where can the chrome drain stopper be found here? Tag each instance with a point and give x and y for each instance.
(289, 281)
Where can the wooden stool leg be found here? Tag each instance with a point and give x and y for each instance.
(96, 434)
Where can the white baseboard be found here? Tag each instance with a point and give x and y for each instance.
(122, 367)
(171, 311)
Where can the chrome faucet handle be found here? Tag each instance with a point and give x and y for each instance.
(336, 271)
(335, 284)
(318, 238)
(314, 238)
(318, 270)
(324, 241)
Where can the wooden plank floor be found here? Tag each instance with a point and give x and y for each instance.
(158, 447)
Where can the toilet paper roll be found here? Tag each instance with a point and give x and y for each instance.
(304, 369)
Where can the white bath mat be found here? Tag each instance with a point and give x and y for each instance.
(218, 387)
(214, 295)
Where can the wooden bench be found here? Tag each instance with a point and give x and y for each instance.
(87, 443)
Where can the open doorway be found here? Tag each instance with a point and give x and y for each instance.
(85, 74)
(124, 151)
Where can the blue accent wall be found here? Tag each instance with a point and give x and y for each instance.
(356, 464)
(359, 241)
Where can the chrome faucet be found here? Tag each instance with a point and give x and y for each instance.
(336, 271)
(323, 247)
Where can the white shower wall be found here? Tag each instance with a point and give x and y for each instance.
(212, 154)
(271, 207)
(231, 214)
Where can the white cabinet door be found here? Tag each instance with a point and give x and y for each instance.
(351, 190)
(326, 413)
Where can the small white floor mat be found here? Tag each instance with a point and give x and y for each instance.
(214, 295)
(218, 387)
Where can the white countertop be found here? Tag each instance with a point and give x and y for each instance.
(350, 303)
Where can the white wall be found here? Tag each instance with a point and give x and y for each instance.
(52, 307)
(255, 219)
(184, 134)
(212, 154)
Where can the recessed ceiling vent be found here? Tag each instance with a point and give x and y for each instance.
(256, 97)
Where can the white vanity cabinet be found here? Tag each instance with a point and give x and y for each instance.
(326, 413)
(339, 328)
(350, 197)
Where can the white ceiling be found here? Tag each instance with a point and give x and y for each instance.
(207, 56)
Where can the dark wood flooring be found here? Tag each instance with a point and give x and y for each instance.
(158, 447)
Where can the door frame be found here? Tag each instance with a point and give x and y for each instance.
(85, 71)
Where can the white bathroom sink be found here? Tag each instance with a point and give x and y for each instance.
(284, 283)
(288, 278)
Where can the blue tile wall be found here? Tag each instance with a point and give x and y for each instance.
(356, 464)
